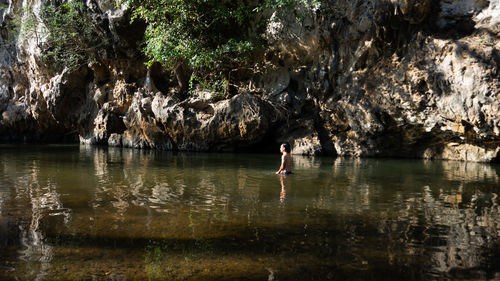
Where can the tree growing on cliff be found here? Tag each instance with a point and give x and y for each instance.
(200, 40)
(20, 24)
(63, 31)
(203, 41)
(72, 38)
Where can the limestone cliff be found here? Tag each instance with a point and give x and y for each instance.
(399, 78)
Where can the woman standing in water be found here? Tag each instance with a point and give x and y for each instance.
(286, 160)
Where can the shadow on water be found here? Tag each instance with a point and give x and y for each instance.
(116, 214)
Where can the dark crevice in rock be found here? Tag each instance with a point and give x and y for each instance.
(131, 33)
(403, 141)
(30, 133)
(115, 124)
(496, 58)
(100, 73)
(267, 144)
(496, 159)
(161, 78)
(446, 21)
(327, 145)
(4, 31)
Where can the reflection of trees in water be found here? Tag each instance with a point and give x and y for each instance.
(164, 182)
(186, 187)
(38, 191)
(447, 211)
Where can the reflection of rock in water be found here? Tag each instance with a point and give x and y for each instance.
(453, 221)
(162, 194)
(440, 221)
(4, 195)
(363, 213)
(305, 162)
(454, 238)
(455, 170)
(122, 186)
(38, 191)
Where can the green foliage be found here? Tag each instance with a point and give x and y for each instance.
(210, 37)
(21, 24)
(206, 39)
(300, 8)
(293, 4)
(72, 39)
(217, 86)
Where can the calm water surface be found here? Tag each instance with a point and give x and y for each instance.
(80, 213)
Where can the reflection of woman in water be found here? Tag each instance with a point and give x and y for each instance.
(283, 189)
(286, 160)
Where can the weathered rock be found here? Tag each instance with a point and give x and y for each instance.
(196, 124)
(489, 18)
(401, 78)
(115, 140)
(459, 14)
(468, 152)
(274, 81)
(302, 137)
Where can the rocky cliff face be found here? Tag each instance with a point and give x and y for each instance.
(399, 78)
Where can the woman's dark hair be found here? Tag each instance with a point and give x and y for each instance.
(286, 146)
